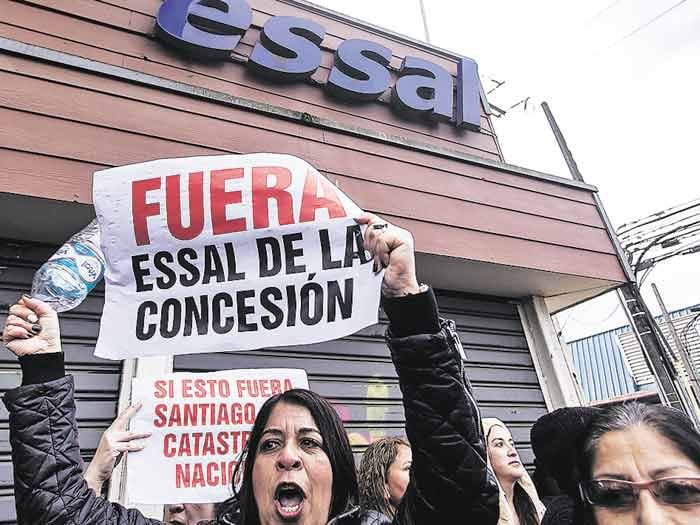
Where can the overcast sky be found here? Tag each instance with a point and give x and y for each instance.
(622, 79)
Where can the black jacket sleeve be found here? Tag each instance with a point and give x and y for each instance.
(449, 476)
(49, 484)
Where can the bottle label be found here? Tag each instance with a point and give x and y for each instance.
(81, 259)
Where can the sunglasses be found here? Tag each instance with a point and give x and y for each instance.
(618, 493)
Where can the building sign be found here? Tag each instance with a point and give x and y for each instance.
(289, 51)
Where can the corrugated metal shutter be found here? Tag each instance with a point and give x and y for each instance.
(601, 369)
(97, 380)
(680, 319)
(356, 374)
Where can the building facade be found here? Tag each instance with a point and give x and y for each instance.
(611, 365)
(89, 85)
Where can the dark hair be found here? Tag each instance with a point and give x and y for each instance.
(524, 507)
(669, 422)
(335, 444)
(373, 474)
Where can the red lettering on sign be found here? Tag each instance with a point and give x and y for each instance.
(275, 386)
(141, 210)
(212, 477)
(198, 475)
(202, 414)
(191, 475)
(168, 446)
(196, 444)
(312, 202)
(220, 198)
(200, 388)
(208, 445)
(161, 410)
(186, 388)
(222, 416)
(160, 391)
(222, 448)
(262, 194)
(196, 206)
(182, 476)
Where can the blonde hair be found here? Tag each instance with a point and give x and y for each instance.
(373, 474)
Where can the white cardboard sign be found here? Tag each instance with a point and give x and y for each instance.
(233, 252)
(200, 424)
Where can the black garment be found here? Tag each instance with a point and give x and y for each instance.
(557, 441)
(449, 479)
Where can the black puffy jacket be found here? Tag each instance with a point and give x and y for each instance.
(450, 482)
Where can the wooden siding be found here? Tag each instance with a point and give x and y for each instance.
(115, 35)
(63, 124)
(354, 373)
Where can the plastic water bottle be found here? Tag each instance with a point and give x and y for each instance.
(66, 279)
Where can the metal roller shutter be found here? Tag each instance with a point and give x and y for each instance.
(356, 374)
(97, 380)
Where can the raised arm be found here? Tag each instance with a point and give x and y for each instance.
(48, 469)
(449, 476)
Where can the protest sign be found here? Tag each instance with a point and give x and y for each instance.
(233, 252)
(200, 425)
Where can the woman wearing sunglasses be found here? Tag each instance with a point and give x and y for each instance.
(631, 464)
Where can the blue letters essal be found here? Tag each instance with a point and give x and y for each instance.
(289, 51)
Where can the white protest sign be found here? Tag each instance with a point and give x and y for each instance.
(232, 252)
(200, 425)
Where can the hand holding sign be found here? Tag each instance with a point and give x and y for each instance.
(392, 249)
(115, 441)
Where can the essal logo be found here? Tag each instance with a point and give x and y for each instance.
(289, 51)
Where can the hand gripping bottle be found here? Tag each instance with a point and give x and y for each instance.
(72, 272)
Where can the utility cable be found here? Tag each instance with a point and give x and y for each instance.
(646, 24)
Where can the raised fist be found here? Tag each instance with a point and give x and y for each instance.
(31, 328)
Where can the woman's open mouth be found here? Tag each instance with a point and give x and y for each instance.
(289, 500)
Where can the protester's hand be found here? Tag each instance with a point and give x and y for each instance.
(392, 249)
(31, 328)
(115, 441)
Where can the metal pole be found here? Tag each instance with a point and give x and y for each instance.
(680, 347)
(640, 318)
(425, 21)
(561, 141)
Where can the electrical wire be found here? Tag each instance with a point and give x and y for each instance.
(642, 238)
(654, 217)
(601, 12)
(646, 24)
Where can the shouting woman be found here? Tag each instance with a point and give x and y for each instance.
(298, 467)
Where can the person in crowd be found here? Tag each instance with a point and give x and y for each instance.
(189, 513)
(628, 464)
(519, 503)
(383, 477)
(117, 441)
(298, 467)
(114, 442)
